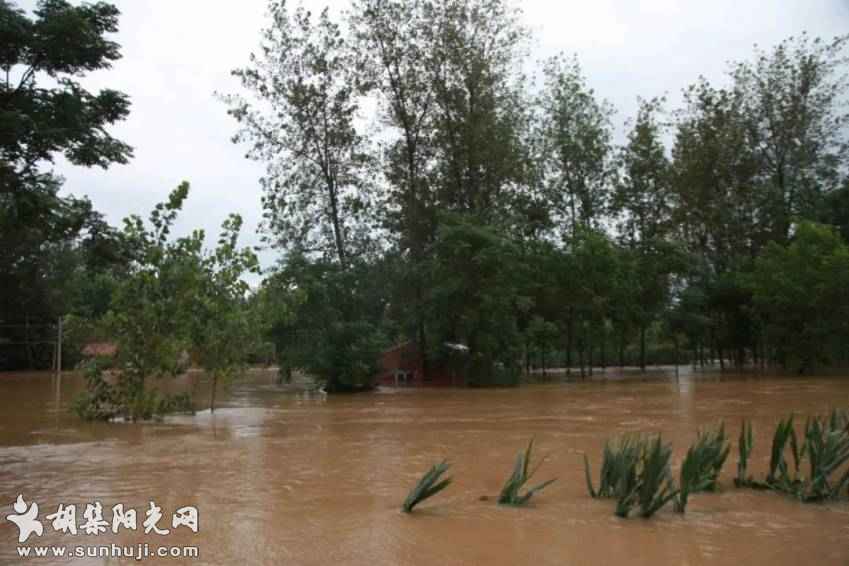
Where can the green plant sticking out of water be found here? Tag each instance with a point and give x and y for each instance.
(839, 420)
(779, 477)
(428, 486)
(522, 473)
(636, 472)
(702, 465)
(655, 485)
(618, 468)
(744, 446)
(826, 447)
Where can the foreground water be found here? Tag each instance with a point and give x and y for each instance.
(305, 479)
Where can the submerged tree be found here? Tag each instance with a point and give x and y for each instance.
(221, 321)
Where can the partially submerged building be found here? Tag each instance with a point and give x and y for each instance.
(403, 365)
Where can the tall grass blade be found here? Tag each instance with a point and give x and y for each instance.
(511, 493)
(428, 486)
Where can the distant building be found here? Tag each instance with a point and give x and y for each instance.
(100, 349)
(403, 365)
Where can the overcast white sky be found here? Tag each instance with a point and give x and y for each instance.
(177, 53)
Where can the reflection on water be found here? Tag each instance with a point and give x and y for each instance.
(306, 479)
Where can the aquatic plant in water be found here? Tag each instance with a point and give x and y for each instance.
(702, 465)
(779, 477)
(636, 472)
(655, 485)
(745, 444)
(618, 467)
(826, 448)
(428, 486)
(522, 473)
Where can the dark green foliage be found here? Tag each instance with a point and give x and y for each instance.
(478, 281)
(328, 320)
(48, 239)
(620, 462)
(745, 443)
(522, 473)
(800, 291)
(99, 401)
(702, 464)
(779, 476)
(655, 487)
(428, 486)
(825, 447)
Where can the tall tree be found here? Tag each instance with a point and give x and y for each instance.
(301, 122)
(392, 38)
(45, 112)
(797, 125)
(643, 200)
(576, 146)
(478, 95)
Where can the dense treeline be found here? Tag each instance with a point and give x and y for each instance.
(420, 187)
(415, 175)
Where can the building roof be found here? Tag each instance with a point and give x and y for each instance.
(93, 349)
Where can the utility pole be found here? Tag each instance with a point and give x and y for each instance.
(59, 349)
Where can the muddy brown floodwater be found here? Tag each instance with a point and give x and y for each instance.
(311, 480)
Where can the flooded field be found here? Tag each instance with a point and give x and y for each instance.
(305, 479)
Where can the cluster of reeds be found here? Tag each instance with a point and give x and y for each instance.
(636, 471)
(824, 448)
(511, 494)
(702, 464)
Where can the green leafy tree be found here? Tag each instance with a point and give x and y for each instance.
(222, 323)
(299, 120)
(575, 148)
(795, 124)
(800, 292)
(476, 299)
(330, 326)
(56, 46)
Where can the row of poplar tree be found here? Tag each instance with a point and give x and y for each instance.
(422, 187)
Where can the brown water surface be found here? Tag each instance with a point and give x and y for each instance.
(301, 479)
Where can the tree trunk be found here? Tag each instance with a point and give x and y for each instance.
(676, 357)
(603, 351)
(622, 348)
(643, 348)
(212, 393)
(569, 344)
